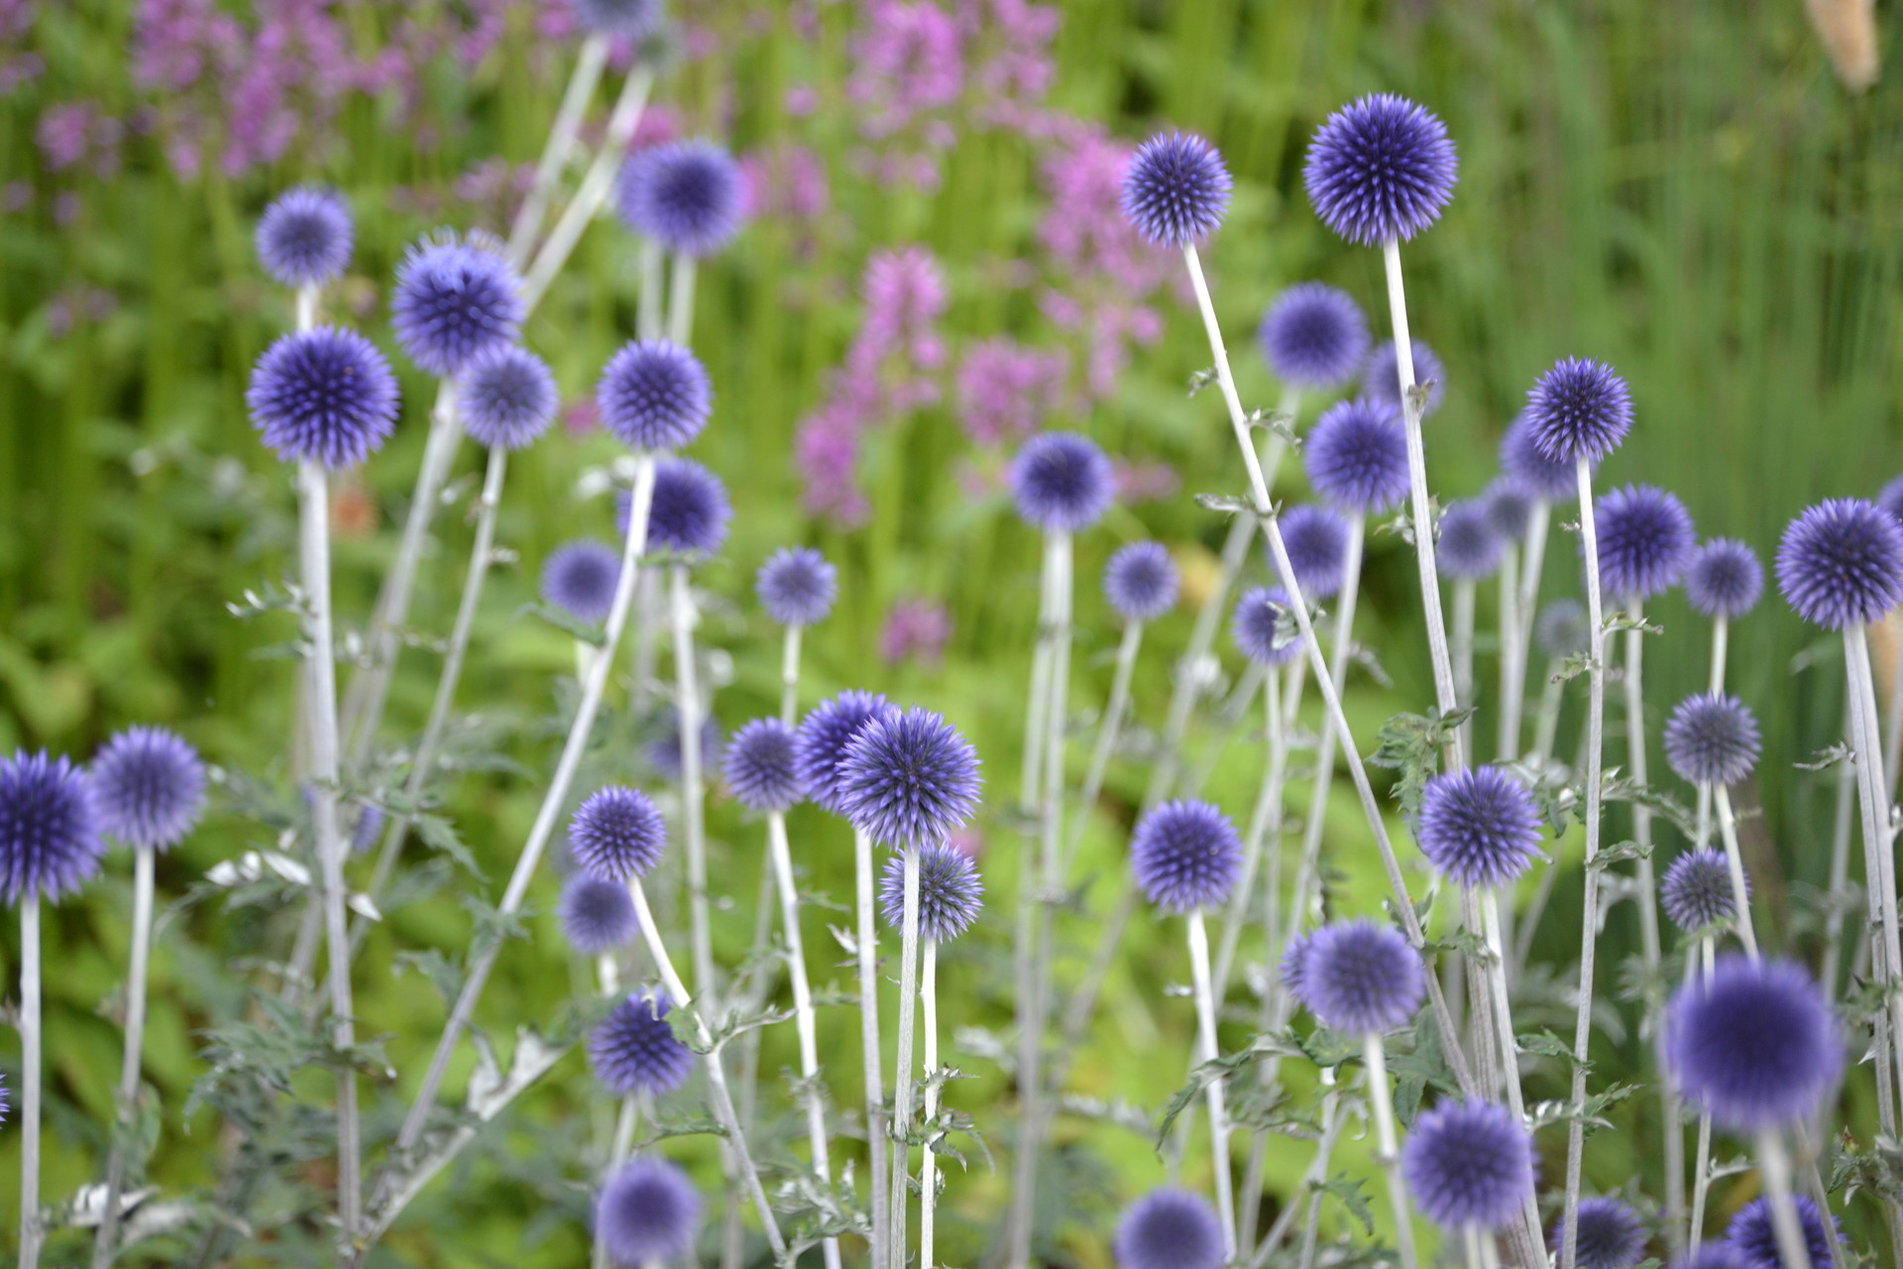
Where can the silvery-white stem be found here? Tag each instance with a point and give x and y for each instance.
(1463, 652)
(1775, 1166)
(928, 1163)
(1267, 813)
(1719, 629)
(1342, 654)
(1880, 852)
(649, 321)
(871, 1050)
(1494, 930)
(1546, 722)
(1734, 864)
(1311, 1226)
(904, 1071)
(1893, 718)
(1383, 1112)
(1841, 828)
(790, 675)
(1701, 1166)
(680, 300)
(687, 707)
(1512, 665)
(558, 148)
(30, 1078)
(306, 307)
(1109, 730)
(733, 1236)
(1487, 1255)
(1641, 812)
(1189, 678)
(625, 1119)
(595, 185)
(1526, 605)
(1209, 1051)
(128, 1098)
(1311, 1182)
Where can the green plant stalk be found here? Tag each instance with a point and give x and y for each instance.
(1734, 865)
(1879, 855)
(625, 1120)
(1774, 1164)
(1265, 822)
(1705, 955)
(790, 675)
(1526, 607)
(680, 300)
(1719, 631)
(1647, 898)
(1511, 658)
(1109, 731)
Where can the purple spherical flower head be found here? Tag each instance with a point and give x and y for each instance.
(689, 510)
(1841, 563)
(1645, 541)
(1578, 409)
(1890, 497)
(634, 1050)
(760, 768)
(1316, 539)
(1524, 464)
(1356, 457)
(1755, 1044)
(1314, 336)
(1753, 1234)
(908, 778)
(617, 833)
(1611, 1235)
(1256, 626)
(580, 579)
(1361, 978)
(685, 195)
(625, 19)
(1724, 579)
(1169, 1229)
(324, 395)
(1509, 507)
(507, 397)
(149, 787)
(1696, 889)
(304, 236)
(1561, 629)
(50, 840)
(1480, 826)
(647, 1213)
(364, 827)
(654, 395)
(1380, 169)
(1712, 739)
(950, 894)
(797, 586)
(1470, 548)
(1140, 581)
(1469, 1164)
(1381, 378)
(819, 746)
(455, 301)
(597, 916)
(1294, 963)
(1185, 855)
(664, 750)
(1175, 190)
(1713, 1256)
(1061, 482)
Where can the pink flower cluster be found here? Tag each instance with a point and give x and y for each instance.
(915, 630)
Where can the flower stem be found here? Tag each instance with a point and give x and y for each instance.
(625, 1119)
(1526, 607)
(1839, 871)
(1109, 731)
(1512, 665)
(790, 675)
(1775, 1166)
(1192, 670)
(1703, 957)
(872, 1051)
(1383, 1112)
(559, 146)
(687, 706)
(1719, 633)
(1463, 652)
(1266, 816)
(1641, 811)
(1208, 1051)
(928, 1162)
(1494, 931)
(904, 1072)
(1879, 854)
(30, 1076)
(1311, 1181)
(1315, 824)
(1734, 864)
(680, 300)
(127, 1101)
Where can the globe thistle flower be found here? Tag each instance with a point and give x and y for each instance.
(908, 778)
(1061, 482)
(664, 751)
(366, 826)
(50, 840)
(1469, 546)
(1754, 1044)
(1479, 826)
(654, 395)
(1175, 190)
(597, 916)
(1169, 1229)
(1713, 1256)
(1711, 739)
(1140, 581)
(304, 237)
(324, 396)
(1578, 409)
(634, 20)
(1469, 1163)
(1380, 169)
(1313, 336)
(1294, 963)
(1509, 508)
(1356, 457)
(1696, 890)
(647, 1213)
(686, 195)
(1841, 563)
(1256, 626)
(580, 579)
(1724, 579)
(1550, 480)
(797, 586)
(1611, 1235)
(1381, 377)
(1890, 498)
(760, 768)
(617, 833)
(689, 510)
(455, 301)
(1360, 978)
(149, 788)
(819, 745)
(1562, 629)
(1645, 541)
(950, 893)
(1753, 1235)
(1316, 539)
(1185, 855)
(633, 1049)
(507, 397)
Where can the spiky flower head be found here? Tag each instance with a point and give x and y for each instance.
(1562, 629)
(1754, 1235)
(149, 787)
(1696, 889)
(1713, 1256)
(617, 833)
(688, 512)
(1754, 1043)
(686, 195)
(1356, 457)
(1509, 507)
(580, 579)
(1061, 482)
(1712, 739)
(363, 822)
(1316, 539)
(1381, 377)
(1611, 1235)
(797, 586)
(1185, 855)
(1256, 626)
(760, 768)
(1547, 479)
(1140, 581)
(620, 19)
(1578, 409)
(1361, 978)
(1314, 336)
(647, 1213)
(1841, 563)
(324, 396)
(654, 395)
(1470, 547)
(50, 840)
(507, 397)
(908, 778)
(305, 235)
(1293, 965)
(1380, 169)
(597, 916)
(950, 893)
(634, 1050)
(1479, 826)
(663, 751)
(1169, 1229)
(1724, 578)
(819, 746)
(1890, 497)
(1645, 541)
(454, 301)
(1175, 190)
(1469, 1164)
